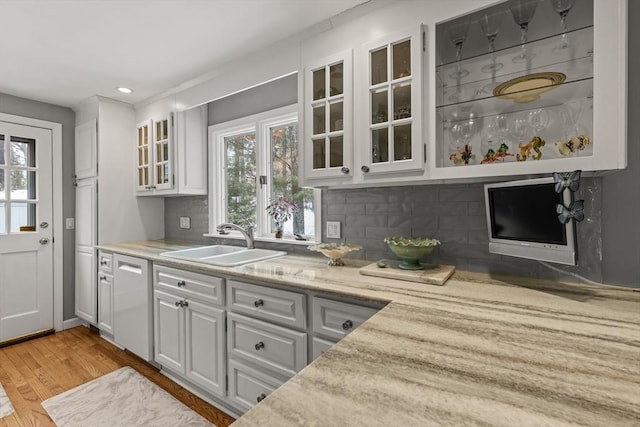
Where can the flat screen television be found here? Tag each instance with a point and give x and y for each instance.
(523, 222)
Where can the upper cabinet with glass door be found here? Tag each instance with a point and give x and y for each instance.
(394, 105)
(170, 157)
(530, 86)
(328, 106)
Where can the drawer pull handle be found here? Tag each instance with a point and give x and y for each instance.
(104, 262)
(103, 277)
(261, 397)
(182, 283)
(347, 325)
(259, 346)
(178, 303)
(183, 303)
(258, 303)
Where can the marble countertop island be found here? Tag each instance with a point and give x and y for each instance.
(480, 350)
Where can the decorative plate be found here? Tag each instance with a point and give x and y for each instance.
(528, 88)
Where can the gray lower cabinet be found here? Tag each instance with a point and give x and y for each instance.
(189, 327)
(266, 340)
(333, 320)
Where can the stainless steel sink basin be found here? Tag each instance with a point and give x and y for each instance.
(222, 255)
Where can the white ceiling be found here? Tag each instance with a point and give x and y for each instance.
(64, 51)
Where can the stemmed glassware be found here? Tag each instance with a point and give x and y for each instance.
(523, 12)
(458, 35)
(490, 28)
(562, 8)
(538, 119)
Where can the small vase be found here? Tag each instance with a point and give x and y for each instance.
(279, 232)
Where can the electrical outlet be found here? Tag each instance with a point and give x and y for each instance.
(185, 222)
(333, 229)
(70, 223)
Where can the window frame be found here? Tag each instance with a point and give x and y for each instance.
(260, 124)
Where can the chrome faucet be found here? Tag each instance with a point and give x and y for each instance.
(247, 233)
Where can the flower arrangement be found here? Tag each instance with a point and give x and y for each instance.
(281, 210)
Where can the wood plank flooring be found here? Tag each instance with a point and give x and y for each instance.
(35, 370)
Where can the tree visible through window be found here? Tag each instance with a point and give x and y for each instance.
(254, 160)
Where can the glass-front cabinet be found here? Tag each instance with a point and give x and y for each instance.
(394, 104)
(171, 153)
(328, 117)
(530, 86)
(154, 155)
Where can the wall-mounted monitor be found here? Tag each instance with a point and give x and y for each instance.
(523, 222)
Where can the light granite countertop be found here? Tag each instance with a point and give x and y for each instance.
(480, 350)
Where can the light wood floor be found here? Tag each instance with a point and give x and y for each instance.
(33, 371)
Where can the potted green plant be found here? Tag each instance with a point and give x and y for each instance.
(281, 210)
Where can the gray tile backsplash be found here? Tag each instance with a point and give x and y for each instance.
(452, 213)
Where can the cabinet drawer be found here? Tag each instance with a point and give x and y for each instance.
(274, 305)
(320, 346)
(336, 319)
(248, 386)
(281, 350)
(105, 262)
(187, 284)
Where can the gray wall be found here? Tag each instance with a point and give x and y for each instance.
(621, 191)
(38, 110)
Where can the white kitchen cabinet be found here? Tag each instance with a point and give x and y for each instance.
(393, 110)
(336, 319)
(86, 306)
(133, 305)
(266, 340)
(189, 331)
(328, 119)
(86, 150)
(555, 103)
(105, 292)
(170, 157)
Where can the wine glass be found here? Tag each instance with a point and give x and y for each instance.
(538, 119)
(490, 28)
(523, 11)
(458, 34)
(562, 8)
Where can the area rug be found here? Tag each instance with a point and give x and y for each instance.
(5, 404)
(121, 398)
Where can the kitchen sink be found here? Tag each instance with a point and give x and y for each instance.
(224, 256)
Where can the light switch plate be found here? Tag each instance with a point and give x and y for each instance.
(333, 229)
(70, 223)
(185, 222)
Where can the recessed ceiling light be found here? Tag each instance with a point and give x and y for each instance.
(124, 89)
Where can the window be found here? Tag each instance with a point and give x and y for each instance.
(254, 160)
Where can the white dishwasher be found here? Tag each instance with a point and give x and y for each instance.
(132, 305)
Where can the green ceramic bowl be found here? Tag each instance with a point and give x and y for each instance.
(411, 250)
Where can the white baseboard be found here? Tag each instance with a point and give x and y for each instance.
(72, 323)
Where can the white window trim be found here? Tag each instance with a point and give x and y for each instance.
(260, 124)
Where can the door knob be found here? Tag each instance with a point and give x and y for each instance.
(44, 241)
(44, 224)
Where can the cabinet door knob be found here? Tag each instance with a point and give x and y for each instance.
(259, 346)
(182, 283)
(258, 302)
(261, 397)
(185, 303)
(178, 303)
(365, 168)
(345, 170)
(348, 324)
(103, 262)
(103, 277)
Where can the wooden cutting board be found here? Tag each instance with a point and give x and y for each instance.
(433, 274)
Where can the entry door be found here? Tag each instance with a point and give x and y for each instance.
(26, 230)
